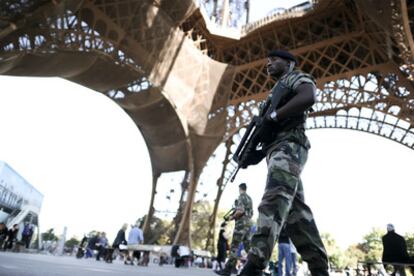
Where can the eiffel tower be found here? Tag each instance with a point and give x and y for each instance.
(190, 86)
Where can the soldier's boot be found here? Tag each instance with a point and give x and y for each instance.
(250, 269)
(226, 271)
(319, 272)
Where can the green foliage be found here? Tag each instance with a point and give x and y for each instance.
(409, 238)
(200, 223)
(72, 242)
(49, 235)
(167, 237)
(158, 231)
(353, 254)
(372, 245)
(336, 257)
(369, 250)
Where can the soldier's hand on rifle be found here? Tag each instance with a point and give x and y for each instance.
(252, 157)
(258, 120)
(238, 214)
(263, 125)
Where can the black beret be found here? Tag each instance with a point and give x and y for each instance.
(243, 186)
(283, 54)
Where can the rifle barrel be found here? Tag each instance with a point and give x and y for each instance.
(234, 175)
(242, 145)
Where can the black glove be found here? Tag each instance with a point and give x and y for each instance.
(251, 157)
(264, 127)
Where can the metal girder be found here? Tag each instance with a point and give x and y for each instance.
(226, 173)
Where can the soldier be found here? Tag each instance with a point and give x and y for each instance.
(285, 146)
(241, 234)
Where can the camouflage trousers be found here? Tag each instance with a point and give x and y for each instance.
(241, 234)
(283, 202)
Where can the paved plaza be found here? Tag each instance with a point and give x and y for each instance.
(21, 264)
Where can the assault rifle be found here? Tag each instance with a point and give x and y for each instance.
(231, 212)
(252, 140)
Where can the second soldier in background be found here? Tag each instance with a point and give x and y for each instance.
(242, 216)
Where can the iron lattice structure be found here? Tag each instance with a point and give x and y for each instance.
(190, 86)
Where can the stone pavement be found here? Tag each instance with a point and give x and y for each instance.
(19, 264)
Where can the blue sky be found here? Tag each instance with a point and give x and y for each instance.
(88, 158)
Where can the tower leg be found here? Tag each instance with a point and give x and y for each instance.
(177, 219)
(220, 189)
(148, 218)
(183, 234)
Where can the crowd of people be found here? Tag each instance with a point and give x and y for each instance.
(395, 256)
(9, 239)
(96, 245)
(126, 248)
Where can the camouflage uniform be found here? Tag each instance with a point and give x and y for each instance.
(241, 233)
(283, 199)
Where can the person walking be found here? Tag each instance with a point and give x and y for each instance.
(27, 234)
(92, 241)
(135, 237)
(11, 237)
(120, 244)
(3, 234)
(101, 246)
(82, 247)
(395, 251)
(241, 234)
(285, 146)
(222, 246)
(284, 254)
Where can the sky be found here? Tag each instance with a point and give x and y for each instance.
(261, 8)
(87, 157)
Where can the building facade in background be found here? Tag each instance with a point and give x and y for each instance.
(20, 202)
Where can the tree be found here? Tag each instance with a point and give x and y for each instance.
(352, 255)
(71, 243)
(409, 238)
(336, 257)
(158, 231)
(162, 232)
(49, 235)
(200, 223)
(372, 245)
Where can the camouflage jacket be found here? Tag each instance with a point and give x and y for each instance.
(291, 129)
(245, 204)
